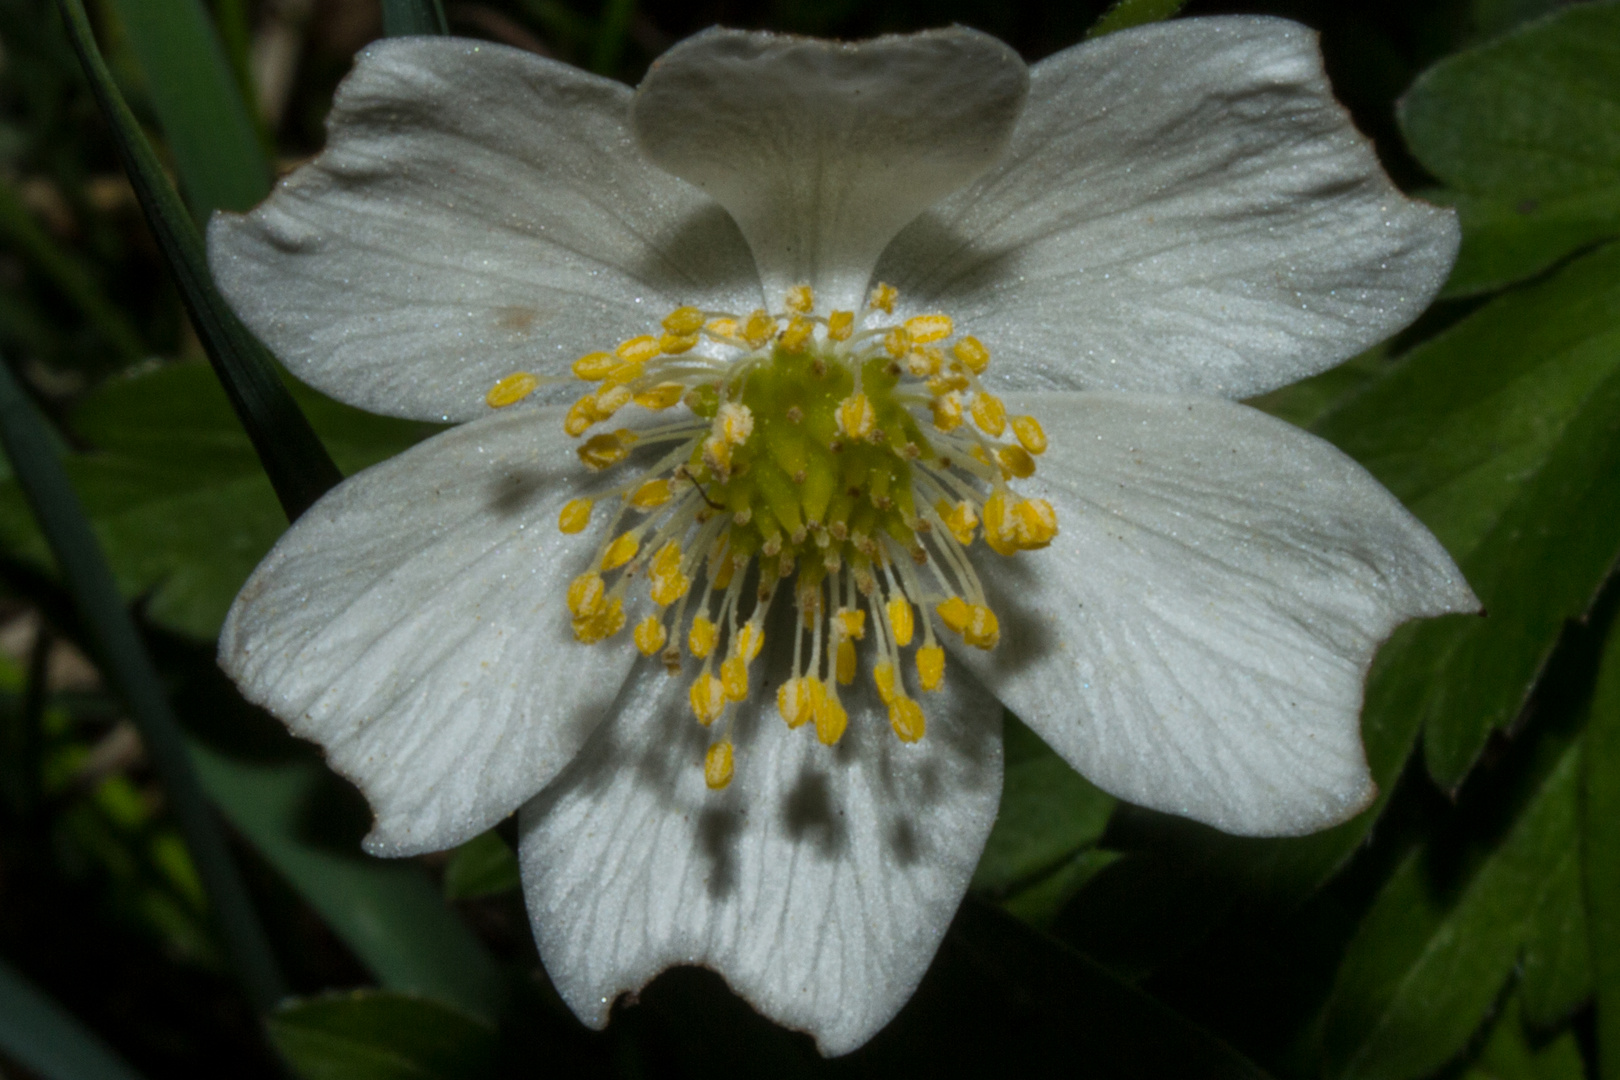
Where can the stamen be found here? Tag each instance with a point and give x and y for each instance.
(717, 765)
(575, 515)
(511, 390)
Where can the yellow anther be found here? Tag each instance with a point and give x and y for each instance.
(901, 621)
(1015, 461)
(945, 384)
(980, 454)
(947, 412)
(511, 390)
(675, 344)
(734, 423)
(960, 519)
(638, 350)
(931, 667)
(589, 629)
(955, 613)
(925, 362)
(667, 560)
(724, 328)
(581, 415)
(661, 396)
(798, 332)
(801, 298)
(846, 662)
(759, 328)
(650, 635)
(856, 417)
(906, 717)
(926, 328)
(830, 717)
(793, 700)
(621, 376)
(669, 587)
(585, 594)
(1031, 436)
(1034, 524)
(983, 629)
(989, 413)
(971, 351)
(575, 515)
(717, 455)
(609, 400)
(883, 676)
(999, 529)
(703, 637)
(750, 639)
(896, 342)
(683, 320)
(851, 623)
(621, 551)
(722, 570)
(717, 765)
(840, 324)
(594, 366)
(883, 298)
(600, 451)
(734, 678)
(708, 698)
(651, 494)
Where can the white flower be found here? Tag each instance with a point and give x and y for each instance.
(1187, 593)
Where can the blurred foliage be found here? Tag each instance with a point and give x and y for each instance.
(1468, 925)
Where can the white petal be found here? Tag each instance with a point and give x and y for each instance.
(1197, 636)
(478, 211)
(1183, 208)
(414, 623)
(818, 884)
(822, 151)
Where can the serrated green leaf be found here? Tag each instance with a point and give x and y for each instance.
(1500, 434)
(1129, 13)
(1425, 966)
(1509, 1055)
(483, 866)
(1048, 814)
(370, 1035)
(1529, 126)
(386, 911)
(49, 1041)
(198, 102)
(1600, 852)
(175, 491)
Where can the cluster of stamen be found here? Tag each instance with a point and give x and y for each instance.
(849, 460)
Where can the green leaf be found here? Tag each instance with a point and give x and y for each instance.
(294, 459)
(1129, 13)
(47, 1040)
(198, 101)
(404, 17)
(1556, 978)
(122, 656)
(1048, 814)
(1500, 434)
(176, 494)
(1492, 17)
(1600, 852)
(386, 911)
(1529, 126)
(483, 866)
(1425, 967)
(1509, 1055)
(1039, 903)
(1504, 240)
(367, 1035)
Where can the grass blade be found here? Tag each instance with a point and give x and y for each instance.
(45, 1039)
(298, 465)
(124, 660)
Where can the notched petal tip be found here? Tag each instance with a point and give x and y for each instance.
(823, 150)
